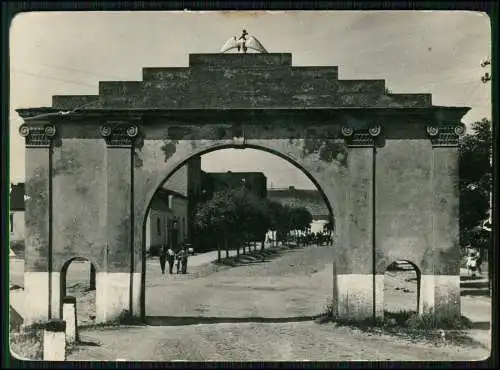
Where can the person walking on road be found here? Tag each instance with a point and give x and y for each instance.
(171, 260)
(163, 258)
(178, 262)
(183, 258)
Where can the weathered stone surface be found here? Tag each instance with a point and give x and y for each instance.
(403, 198)
(37, 203)
(79, 183)
(119, 213)
(387, 164)
(356, 256)
(445, 211)
(71, 102)
(243, 81)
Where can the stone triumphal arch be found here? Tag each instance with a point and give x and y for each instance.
(387, 163)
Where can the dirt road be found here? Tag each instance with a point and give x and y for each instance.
(296, 283)
(259, 342)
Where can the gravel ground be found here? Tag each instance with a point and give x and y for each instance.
(296, 283)
(292, 283)
(305, 341)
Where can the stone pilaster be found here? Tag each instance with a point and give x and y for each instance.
(38, 237)
(445, 283)
(115, 283)
(355, 275)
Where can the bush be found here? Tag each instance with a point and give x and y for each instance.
(431, 321)
(405, 319)
(17, 247)
(27, 342)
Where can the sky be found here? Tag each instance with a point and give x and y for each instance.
(68, 53)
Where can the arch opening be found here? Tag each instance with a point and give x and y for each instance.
(78, 279)
(156, 214)
(402, 281)
(330, 204)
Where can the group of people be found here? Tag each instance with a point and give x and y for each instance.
(179, 258)
(318, 238)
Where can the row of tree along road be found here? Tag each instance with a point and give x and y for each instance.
(235, 218)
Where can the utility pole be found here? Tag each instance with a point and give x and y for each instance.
(485, 79)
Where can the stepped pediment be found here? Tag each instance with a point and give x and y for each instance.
(265, 80)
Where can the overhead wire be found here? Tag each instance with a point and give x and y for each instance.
(52, 78)
(81, 71)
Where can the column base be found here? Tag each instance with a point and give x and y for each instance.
(136, 294)
(440, 295)
(447, 296)
(379, 296)
(113, 295)
(36, 297)
(355, 296)
(55, 299)
(426, 298)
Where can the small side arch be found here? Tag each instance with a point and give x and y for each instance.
(402, 265)
(94, 269)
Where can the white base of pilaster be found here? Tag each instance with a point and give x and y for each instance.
(69, 315)
(36, 297)
(136, 294)
(427, 289)
(440, 293)
(355, 292)
(113, 295)
(54, 346)
(447, 295)
(379, 296)
(355, 296)
(55, 298)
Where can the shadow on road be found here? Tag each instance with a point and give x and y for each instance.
(254, 257)
(195, 320)
(481, 325)
(474, 284)
(88, 343)
(475, 292)
(468, 278)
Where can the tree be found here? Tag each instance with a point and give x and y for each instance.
(475, 182)
(233, 217)
(217, 218)
(328, 229)
(275, 211)
(301, 219)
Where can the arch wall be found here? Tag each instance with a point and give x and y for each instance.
(387, 163)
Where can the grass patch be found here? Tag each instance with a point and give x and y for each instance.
(27, 342)
(429, 327)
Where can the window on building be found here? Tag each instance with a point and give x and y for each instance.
(158, 226)
(11, 222)
(183, 226)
